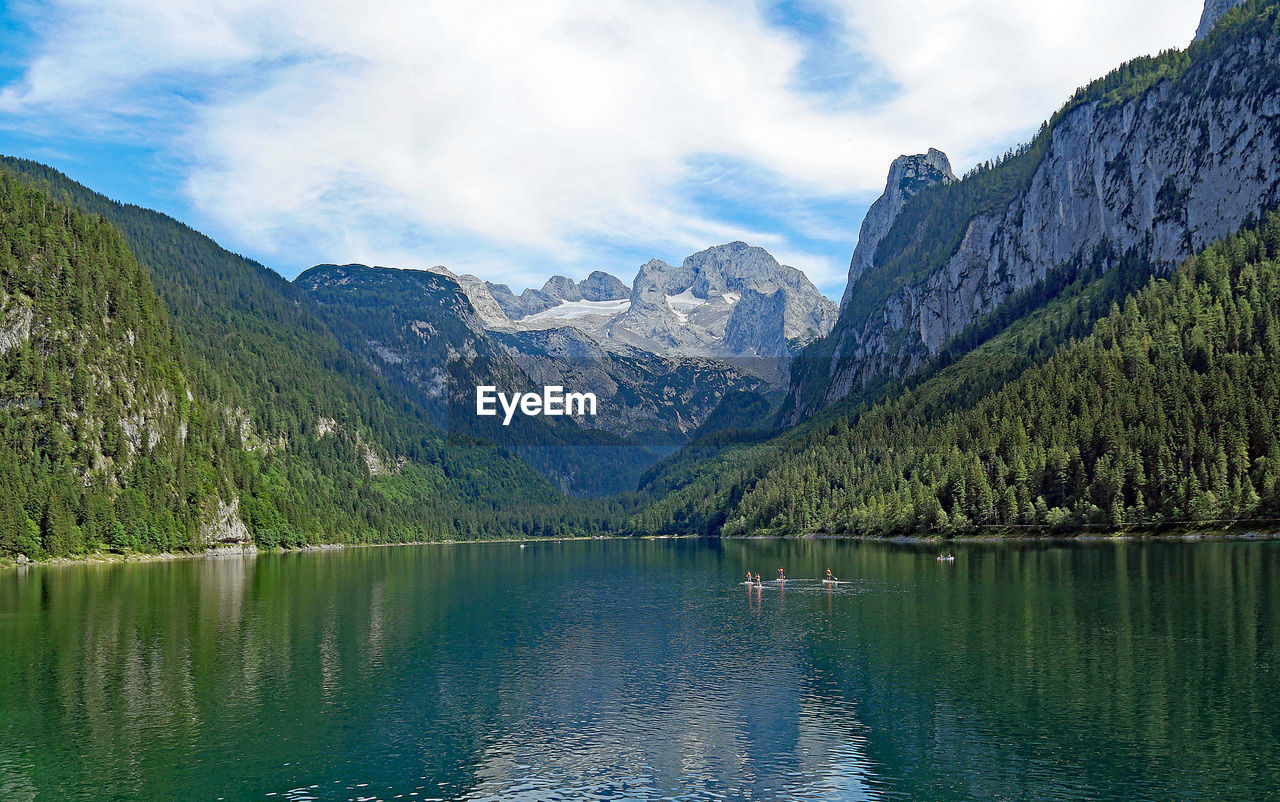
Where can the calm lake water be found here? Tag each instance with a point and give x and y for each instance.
(643, 670)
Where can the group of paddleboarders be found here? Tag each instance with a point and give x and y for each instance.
(754, 579)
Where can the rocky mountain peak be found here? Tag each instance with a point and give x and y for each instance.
(562, 288)
(728, 300)
(1136, 185)
(692, 308)
(907, 176)
(1214, 10)
(601, 286)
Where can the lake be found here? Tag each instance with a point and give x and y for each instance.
(644, 670)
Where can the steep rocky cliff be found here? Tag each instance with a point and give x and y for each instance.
(907, 176)
(1158, 159)
(1214, 11)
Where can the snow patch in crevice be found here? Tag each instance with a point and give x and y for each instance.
(683, 304)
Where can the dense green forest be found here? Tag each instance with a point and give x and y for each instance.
(141, 420)
(100, 443)
(1168, 413)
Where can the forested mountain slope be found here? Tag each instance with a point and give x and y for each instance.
(101, 439)
(1154, 161)
(243, 420)
(1168, 413)
(268, 349)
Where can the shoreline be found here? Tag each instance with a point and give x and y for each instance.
(1122, 537)
(251, 550)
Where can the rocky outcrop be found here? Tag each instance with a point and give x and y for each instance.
(491, 313)
(757, 325)
(1214, 10)
(907, 176)
(15, 322)
(221, 524)
(1186, 162)
(686, 309)
(600, 286)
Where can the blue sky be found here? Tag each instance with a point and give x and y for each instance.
(517, 140)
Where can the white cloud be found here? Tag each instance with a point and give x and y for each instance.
(487, 133)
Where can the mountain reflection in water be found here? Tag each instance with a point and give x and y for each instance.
(645, 670)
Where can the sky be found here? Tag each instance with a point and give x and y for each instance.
(516, 140)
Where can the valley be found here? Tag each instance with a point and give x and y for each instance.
(734, 397)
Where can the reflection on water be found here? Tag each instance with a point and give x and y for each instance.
(645, 670)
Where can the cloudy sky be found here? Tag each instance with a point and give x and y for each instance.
(524, 138)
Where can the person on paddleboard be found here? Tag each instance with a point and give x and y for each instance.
(781, 576)
(830, 576)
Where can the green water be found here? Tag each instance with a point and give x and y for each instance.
(643, 670)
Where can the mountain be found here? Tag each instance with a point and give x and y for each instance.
(1164, 416)
(1032, 347)
(231, 413)
(1103, 391)
(100, 422)
(681, 311)
(907, 176)
(599, 286)
(1156, 160)
(427, 338)
(694, 308)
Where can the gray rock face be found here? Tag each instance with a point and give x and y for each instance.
(1214, 11)
(506, 300)
(487, 308)
(757, 325)
(1185, 164)
(535, 301)
(600, 286)
(687, 309)
(221, 524)
(562, 288)
(907, 176)
(15, 324)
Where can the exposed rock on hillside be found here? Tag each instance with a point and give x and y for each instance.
(907, 176)
(1158, 167)
(1214, 11)
(684, 310)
